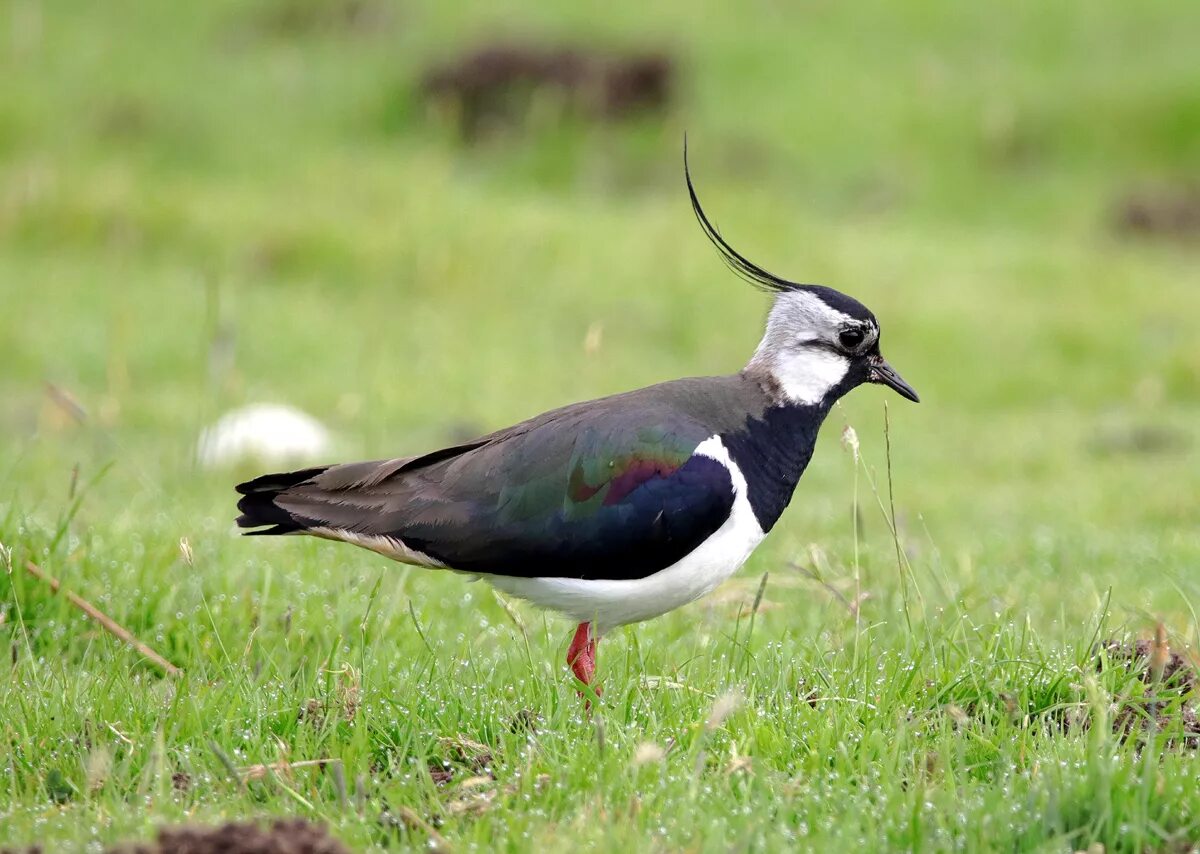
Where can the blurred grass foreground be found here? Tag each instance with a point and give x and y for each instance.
(415, 222)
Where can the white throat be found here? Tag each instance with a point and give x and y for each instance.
(805, 375)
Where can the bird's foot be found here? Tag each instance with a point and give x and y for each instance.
(581, 658)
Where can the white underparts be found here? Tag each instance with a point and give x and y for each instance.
(611, 603)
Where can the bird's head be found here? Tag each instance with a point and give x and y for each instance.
(819, 343)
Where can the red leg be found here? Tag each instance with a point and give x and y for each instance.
(581, 656)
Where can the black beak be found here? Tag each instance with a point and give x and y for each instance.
(884, 374)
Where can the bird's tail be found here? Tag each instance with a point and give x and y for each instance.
(258, 502)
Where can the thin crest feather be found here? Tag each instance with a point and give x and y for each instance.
(762, 279)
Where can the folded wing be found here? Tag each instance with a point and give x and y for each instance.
(616, 493)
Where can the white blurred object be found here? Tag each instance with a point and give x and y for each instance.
(263, 432)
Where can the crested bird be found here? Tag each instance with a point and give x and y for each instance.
(616, 510)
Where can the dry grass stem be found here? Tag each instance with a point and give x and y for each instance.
(1160, 653)
(437, 842)
(851, 605)
(647, 753)
(281, 766)
(725, 706)
(107, 623)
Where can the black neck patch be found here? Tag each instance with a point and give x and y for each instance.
(772, 452)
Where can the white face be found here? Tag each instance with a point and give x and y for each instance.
(809, 345)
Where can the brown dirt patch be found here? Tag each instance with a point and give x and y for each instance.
(1171, 682)
(1144, 656)
(499, 85)
(1172, 212)
(283, 836)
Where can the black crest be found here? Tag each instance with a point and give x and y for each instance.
(736, 261)
(762, 279)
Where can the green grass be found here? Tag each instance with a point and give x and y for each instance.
(201, 206)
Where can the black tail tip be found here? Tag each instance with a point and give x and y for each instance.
(259, 510)
(278, 481)
(258, 502)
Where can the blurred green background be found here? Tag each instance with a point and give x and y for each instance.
(206, 205)
(230, 203)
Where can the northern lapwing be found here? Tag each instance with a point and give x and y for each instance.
(615, 510)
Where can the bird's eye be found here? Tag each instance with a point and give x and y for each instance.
(851, 338)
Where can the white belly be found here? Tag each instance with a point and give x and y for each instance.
(608, 604)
